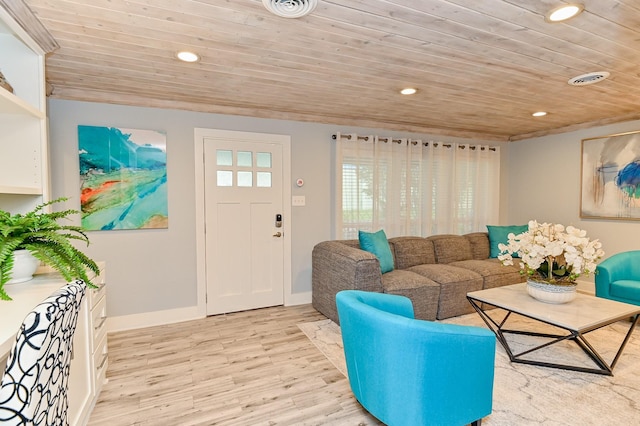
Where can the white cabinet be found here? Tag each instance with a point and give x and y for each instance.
(24, 183)
(99, 353)
(89, 359)
(80, 392)
(24, 174)
(89, 363)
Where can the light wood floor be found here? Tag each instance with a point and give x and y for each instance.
(246, 368)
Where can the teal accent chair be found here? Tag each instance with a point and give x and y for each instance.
(409, 372)
(618, 277)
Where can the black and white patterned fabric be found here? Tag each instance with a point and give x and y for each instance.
(35, 382)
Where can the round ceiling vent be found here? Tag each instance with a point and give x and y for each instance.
(589, 78)
(290, 8)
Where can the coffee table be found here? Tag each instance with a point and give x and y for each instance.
(573, 320)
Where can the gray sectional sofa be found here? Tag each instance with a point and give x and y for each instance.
(435, 272)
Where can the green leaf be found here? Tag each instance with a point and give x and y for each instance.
(48, 240)
(560, 272)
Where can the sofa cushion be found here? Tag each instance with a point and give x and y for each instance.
(412, 251)
(377, 244)
(479, 245)
(446, 274)
(455, 283)
(451, 248)
(493, 272)
(500, 234)
(423, 292)
(626, 289)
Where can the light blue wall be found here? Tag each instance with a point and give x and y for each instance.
(545, 186)
(154, 270)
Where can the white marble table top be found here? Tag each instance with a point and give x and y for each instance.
(583, 313)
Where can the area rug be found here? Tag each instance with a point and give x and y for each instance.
(533, 395)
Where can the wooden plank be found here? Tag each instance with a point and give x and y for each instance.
(21, 13)
(369, 76)
(481, 67)
(222, 369)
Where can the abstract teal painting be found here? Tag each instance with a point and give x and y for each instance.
(123, 178)
(611, 177)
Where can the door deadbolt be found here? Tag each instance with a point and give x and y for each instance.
(278, 234)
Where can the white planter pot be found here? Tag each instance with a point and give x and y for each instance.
(24, 265)
(550, 293)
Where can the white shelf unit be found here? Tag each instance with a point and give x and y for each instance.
(24, 173)
(24, 183)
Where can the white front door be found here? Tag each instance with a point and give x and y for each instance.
(243, 187)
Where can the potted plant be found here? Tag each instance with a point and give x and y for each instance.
(552, 258)
(40, 234)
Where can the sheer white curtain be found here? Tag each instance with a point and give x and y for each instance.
(411, 187)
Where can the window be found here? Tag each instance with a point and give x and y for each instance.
(408, 187)
(246, 174)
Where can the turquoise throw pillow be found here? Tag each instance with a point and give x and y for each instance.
(377, 244)
(499, 234)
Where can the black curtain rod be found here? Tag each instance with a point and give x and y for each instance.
(366, 138)
(446, 145)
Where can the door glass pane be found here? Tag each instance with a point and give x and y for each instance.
(245, 159)
(225, 178)
(264, 179)
(263, 159)
(224, 157)
(245, 179)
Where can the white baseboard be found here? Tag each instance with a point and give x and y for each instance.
(298, 299)
(170, 316)
(150, 319)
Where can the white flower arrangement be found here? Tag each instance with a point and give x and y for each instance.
(552, 253)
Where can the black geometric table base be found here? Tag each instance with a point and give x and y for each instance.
(498, 327)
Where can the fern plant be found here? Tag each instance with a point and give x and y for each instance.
(47, 240)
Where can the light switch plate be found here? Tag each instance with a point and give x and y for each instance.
(298, 200)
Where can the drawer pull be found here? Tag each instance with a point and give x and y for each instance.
(99, 326)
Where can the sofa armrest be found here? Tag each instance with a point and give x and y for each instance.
(337, 266)
(389, 303)
(620, 266)
(603, 280)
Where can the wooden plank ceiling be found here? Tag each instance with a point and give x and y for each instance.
(481, 67)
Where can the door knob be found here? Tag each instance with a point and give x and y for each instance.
(278, 234)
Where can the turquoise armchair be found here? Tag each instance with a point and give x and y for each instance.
(406, 371)
(618, 277)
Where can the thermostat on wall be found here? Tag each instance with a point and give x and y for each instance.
(299, 182)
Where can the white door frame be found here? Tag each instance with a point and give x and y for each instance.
(201, 275)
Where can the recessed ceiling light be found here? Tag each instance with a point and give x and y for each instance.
(539, 114)
(564, 12)
(187, 56)
(408, 91)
